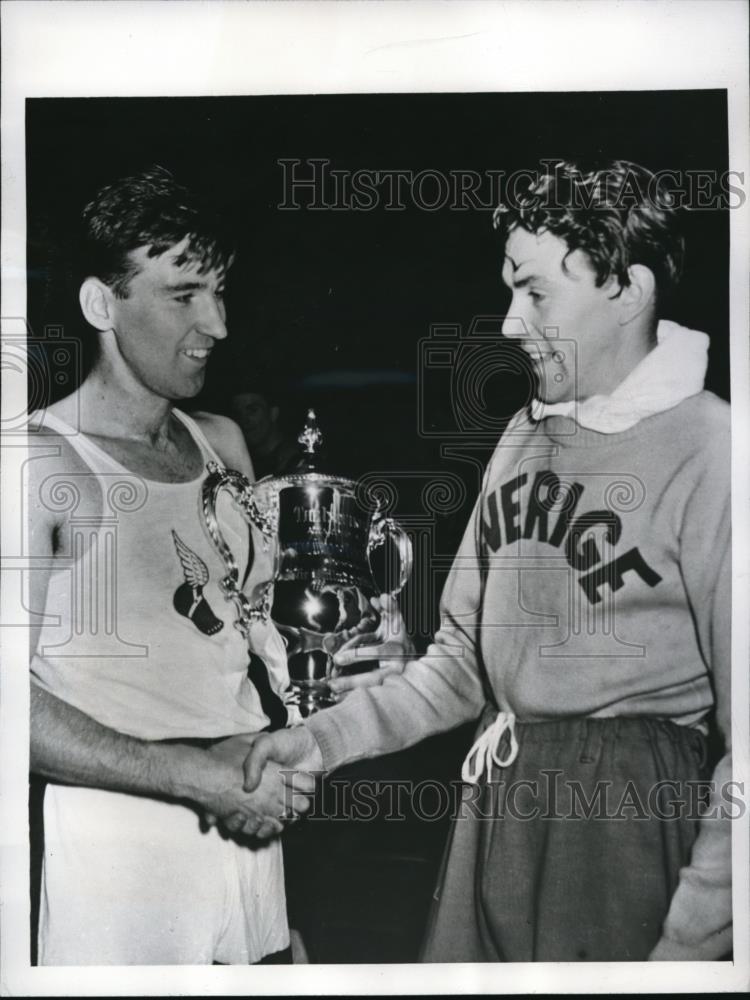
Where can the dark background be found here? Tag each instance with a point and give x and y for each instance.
(334, 291)
(330, 308)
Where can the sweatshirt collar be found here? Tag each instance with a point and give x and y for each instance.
(674, 370)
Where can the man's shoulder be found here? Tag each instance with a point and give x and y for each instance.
(696, 440)
(225, 437)
(58, 419)
(708, 410)
(56, 473)
(706, 418)
(52, 436)
(215, 424)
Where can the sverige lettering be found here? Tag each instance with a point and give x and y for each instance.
(547, 513)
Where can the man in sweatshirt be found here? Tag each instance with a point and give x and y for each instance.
(586, 620)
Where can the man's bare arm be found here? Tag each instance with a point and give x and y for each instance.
(69, 746)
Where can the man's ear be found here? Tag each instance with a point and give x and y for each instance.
(96, 304)
(274, 414)
(639, 295)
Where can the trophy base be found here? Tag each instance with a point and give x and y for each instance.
(311, 697)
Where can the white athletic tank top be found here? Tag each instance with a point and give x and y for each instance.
(137, 633)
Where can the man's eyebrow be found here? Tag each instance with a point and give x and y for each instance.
(520, 283)
(186, 286)
(513, 283)
(513, 264)
(527, 280)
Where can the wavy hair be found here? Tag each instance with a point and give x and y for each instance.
(149, 209)
(614, 212)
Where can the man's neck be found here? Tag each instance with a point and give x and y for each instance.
(130, 412)
(634, 347)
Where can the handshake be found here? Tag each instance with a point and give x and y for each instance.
(260, 781)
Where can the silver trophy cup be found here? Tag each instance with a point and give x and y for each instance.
(323, 531)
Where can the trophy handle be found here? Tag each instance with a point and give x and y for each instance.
(241, 490)
(387, 526)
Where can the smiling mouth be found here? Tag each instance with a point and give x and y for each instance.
(197, 353)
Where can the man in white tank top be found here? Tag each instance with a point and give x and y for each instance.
(154, 854)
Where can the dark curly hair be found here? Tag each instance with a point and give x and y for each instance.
(615, 212)
(149, 209)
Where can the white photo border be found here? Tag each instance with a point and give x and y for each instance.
(55, 48)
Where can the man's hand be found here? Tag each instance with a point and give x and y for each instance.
(389, 644)
(294, 750)
(257, 813)
(69, 746)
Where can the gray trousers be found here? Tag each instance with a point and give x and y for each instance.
(570, 853)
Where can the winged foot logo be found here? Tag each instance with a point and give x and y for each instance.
(188, 599)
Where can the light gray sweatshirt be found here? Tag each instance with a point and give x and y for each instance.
(593, 580)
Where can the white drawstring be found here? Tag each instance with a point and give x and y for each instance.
(484, 750)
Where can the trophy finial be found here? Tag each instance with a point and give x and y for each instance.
(311, 436)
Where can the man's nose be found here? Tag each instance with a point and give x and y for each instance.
(514, 326)
(212, 321)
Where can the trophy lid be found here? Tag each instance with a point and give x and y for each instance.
(311, 439)
(310, 470)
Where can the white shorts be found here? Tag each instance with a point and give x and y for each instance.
(134, 881)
